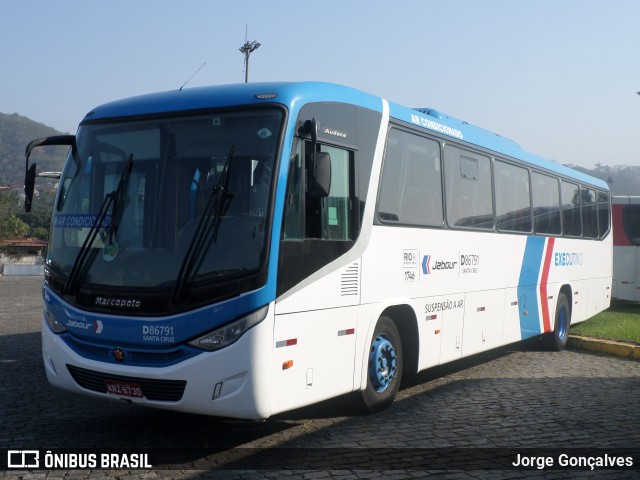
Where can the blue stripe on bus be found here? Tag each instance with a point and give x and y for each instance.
(528, 287)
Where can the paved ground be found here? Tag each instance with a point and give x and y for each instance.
(467, 420)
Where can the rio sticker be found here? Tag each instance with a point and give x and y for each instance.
(410, 265)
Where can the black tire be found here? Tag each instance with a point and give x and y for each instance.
(557, 340)
(384, 370)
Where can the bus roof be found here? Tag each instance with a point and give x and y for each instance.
(294, 95)
(200, 98)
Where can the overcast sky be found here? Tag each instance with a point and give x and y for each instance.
(557, 76)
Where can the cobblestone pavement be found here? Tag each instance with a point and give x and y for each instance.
(473, 413)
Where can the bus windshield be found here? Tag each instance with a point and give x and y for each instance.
(165, 202)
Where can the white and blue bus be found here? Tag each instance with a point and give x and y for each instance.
(625, 213)
(246, 250)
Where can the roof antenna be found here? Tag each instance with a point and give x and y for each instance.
(195, 73)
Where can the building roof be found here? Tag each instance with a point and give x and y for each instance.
(23, 242)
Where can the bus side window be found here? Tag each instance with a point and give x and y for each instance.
(589, 213)
(468, 186)
(411, 187)
(603, 213)
(330, 218)
(546, 204)
(570, 198)
(631, 223)
(513, 204)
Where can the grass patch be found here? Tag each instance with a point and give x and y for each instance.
(620, 322)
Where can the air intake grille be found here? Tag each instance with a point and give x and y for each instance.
(147, 357)
(160, 390)
(350, 284)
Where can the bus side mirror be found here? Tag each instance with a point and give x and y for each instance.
(318, 164)
(30, 171)
(319, 175)
(29, 184)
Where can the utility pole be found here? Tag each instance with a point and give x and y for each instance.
(246, 49)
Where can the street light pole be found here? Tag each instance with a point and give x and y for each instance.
(246, 49)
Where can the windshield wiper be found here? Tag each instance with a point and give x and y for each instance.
(119, 195)
(223, 195)
(114, 198)
(218, 201)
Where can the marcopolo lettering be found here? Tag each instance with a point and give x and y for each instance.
(117, 302)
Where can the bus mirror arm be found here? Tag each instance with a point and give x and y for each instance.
(319, 168)
(310, 127)
(30, 171)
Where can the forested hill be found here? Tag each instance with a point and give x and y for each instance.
(16, 132)
(622, 179)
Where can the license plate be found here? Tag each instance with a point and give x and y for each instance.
(124, 389)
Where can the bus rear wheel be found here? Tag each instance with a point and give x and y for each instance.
(384, 370)
(557, 340)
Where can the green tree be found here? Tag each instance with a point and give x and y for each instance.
(40, 232)
(12, 226)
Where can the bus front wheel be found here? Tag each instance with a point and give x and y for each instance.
(557, 340)
(384, 369)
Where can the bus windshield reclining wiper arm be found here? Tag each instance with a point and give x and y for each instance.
(224, 194)
(204, 234)
(118, 198)
(114, 198)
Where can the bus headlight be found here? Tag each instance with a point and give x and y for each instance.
(228, 334)
(54, 324)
